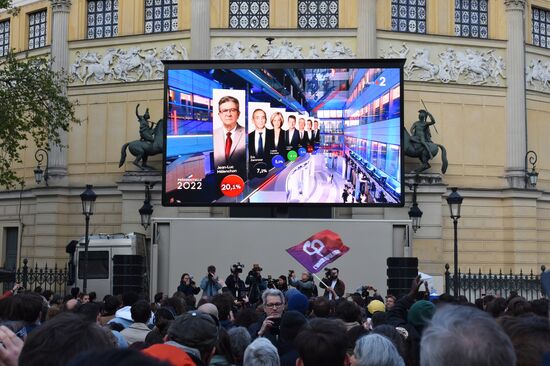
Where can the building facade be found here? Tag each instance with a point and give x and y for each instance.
(482, 68)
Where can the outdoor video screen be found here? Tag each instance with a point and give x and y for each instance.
(324, 132)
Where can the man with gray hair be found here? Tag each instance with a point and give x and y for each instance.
(375, 349)
(464, 336)
(261, 352)
(268, 326)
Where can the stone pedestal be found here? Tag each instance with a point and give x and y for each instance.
(427, 241)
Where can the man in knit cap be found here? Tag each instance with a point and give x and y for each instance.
(298, 302)
(420, 313)
(291, 323)
(375, 306)
(195, 333)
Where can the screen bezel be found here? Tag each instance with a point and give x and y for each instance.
(266, 64)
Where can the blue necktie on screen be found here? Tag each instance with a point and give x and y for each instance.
(260, 149)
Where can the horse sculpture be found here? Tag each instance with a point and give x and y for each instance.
(97, 68)
(143, 149)
(421, 61)
(417, 150)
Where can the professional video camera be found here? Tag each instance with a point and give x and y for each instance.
(254, 276)
(237, 268)
(271, 282)
(256, 268)
(365, 291)
(327, 280)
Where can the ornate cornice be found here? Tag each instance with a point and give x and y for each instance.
(61, 5)
(515, 4)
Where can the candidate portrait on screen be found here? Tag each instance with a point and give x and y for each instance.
(230, 138)
(279, 135)
(292, 135)
(260, 141)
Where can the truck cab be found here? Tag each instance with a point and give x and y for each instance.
(117, 263)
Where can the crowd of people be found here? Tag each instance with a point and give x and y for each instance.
(283, 321)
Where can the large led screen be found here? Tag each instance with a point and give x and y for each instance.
(325, 132)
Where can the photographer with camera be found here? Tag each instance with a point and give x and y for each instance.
(306, 285)
(282, 283)
(233, 282)
(333, 286)
(210, 284)
(256, 284)
(187, 285)
(279, 283)
(369, 293)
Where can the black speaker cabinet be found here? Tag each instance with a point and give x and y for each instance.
(401, 271)
(128, 274)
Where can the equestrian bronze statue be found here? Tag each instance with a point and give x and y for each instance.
(419, 144)
(151, 141)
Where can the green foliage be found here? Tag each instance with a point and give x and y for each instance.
(34, 107)
(4, 4)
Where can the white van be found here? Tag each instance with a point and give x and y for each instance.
(117, 263)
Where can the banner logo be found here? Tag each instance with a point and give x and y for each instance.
(313, 247)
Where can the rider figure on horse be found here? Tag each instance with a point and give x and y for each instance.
(145, 126)
(420, 130)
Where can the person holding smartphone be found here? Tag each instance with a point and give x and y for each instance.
(187, 285)
(211, 284)
(268, 326)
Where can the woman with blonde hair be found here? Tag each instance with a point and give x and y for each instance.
(279, 136)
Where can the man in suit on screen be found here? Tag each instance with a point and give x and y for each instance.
(302, 133)
(292, 137)
(230, 139)
(316, 132)
(260, 141)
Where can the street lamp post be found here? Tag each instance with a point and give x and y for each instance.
(454, 200)
(146, 211)
(415, 213)
(39, 156)
(88, 198)
(531, 177)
